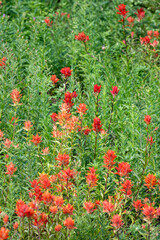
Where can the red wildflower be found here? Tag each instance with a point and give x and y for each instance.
(27, 125)
(54, 79)
(44, 181)
(87, 131)
(15, 96)
(74, 94)
(117, 221)
(58, 200)
(132, 34)
(138, 205)
(156, 34)
(147, 119)
(10, 169)
(48, 21)
(107, 207)
(114, 91)
(36, 139)
(89, 206)
(91, 177)
(123, 169)
(7, 143)
(45, 151)
(69, 223)
(108, 159)
(150, 140)
(15, 225)
(149, 33)
(82, 108)
(54, 117)
(58, 228)
(127, 187)
(47, 197)
(41, 219)
(97, 88)
(4, 233)
(149, 212)
(97, 125)
(66, 72)
(150, 181)
(122, 10)
(21, 208)
(131, 21)
(82, 37)
(63, 159)
(2, 62)
(146, 40)
(68, 99)
(154, 44)
(68, 209)
(53, 209)
(140, 14)
(5, 219)
(1, 134)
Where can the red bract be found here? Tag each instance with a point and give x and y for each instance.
(66, 72)
(44, 181)
(97, 125)
(69, 223)
(154, 44)
(146, 40)
(21, 208)
(108, 159)
(150, 32)
(5, 219)
(58, 228)
(45, 151)
(131, 21)
(4, 233)
(138, 205)
(117, 221)
(82, 37)
(2, 62)
(58, 201)
(97, 88)
(91, 177)
(48, 21)
(7, 143)
(114, 91)
(15, 96)
(1, 134)
(149, 212)
(53, 209)
(36, 139)
(47, 198)
(15, 225)
(87, 131)
(150, 181)
(107, 207)
(63, 159)
(40, 220)
(122, 10)
(54, 79)
(89, 206)
(27, 125)
(82, 108)
(68, 209)
(68, 99)
(10, 169)
(123, 169)
(54, 117)
(150, 140)
(127, 187)
(147, 119)
(156, 34)
(140, 14)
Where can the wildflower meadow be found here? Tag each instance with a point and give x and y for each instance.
(79, 120)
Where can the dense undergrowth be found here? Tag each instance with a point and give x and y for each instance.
(79, 118)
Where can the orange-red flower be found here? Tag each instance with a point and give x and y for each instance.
(108, 159)
(117, 221)
(69, 223)
(122, 10)
(58, 200)
(127, 187)
(5, 219)
(45, 151)
(68, 209)
(91, 178)
(82, 108)
(114, 91)
(53, 209)
(150, 181)
(58, 228)
(108, 207)
(140, 14)
(4, 233)
(54, 79)
(27, 125)
(149, 212)
(15, 96)
(15, 225)
(82, 37)
(147, 119)
(36, 139)
(156, 34)
(131, 21)
(123, 169)
(97, 88)
(63, 159)
(138, 205)
(48, 21)
(89, 206)
(149, 33)
(47, 198)
(97, 125)
(7, 143)
(66, 71)
(54, 117)
(10, 169)
(1, 134)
